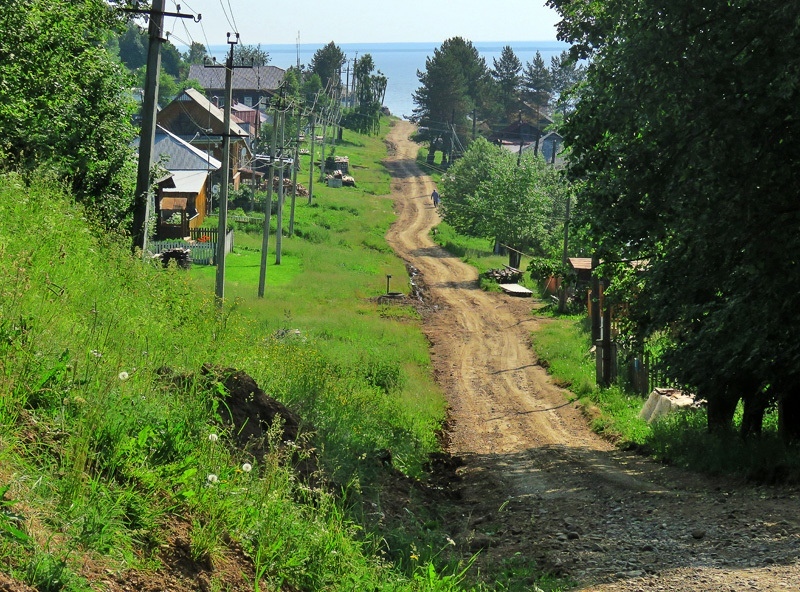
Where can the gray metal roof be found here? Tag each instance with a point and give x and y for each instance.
(258, 78)
(178, 155)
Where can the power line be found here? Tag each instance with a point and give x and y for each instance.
(227, 18)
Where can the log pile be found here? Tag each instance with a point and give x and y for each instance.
(347, 180)
(504, 276)
(287, 187)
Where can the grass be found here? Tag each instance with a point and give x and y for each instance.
(102, 457)
(681, 438)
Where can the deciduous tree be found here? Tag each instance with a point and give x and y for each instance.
(687, 138)
(488, 194)
(65, 102)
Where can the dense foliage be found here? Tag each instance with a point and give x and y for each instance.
(63, 101)
(488, 193)
(687, 136)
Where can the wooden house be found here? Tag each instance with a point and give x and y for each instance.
(184, 190)
(250, 86)
(197, 121)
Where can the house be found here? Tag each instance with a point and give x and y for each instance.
(549, 146)
(251, 86)
(521, 132)
(197, 121)
(184, 189)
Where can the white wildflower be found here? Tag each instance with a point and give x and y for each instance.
(124, 375)
(213, 437)
(247, 467)
(212, 478)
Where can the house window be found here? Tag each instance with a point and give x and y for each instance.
(248, 101)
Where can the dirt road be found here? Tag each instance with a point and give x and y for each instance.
(537, 484)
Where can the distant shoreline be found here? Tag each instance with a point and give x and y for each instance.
(400, 62)
(411, 46)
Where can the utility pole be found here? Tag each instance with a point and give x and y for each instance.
(347, 83)
(279, 224)
(322, 155)
(141, 203)
(262, 278)
(222, 227)
(295, 166)
(311, 169)
(519, 128)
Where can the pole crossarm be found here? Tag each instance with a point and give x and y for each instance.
(196, 19)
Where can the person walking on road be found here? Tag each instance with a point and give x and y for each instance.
(435, 198)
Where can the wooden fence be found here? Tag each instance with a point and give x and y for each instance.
(204, 249)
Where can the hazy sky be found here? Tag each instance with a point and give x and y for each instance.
(363, 21)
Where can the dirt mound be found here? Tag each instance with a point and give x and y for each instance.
(9, 584)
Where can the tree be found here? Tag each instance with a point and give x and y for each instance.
(327, 63)
(487, 194)
(133, 46)
(65, 103)
(250, 55)
(537, 84)
(451, 87)
(686, 139)
(506, 74)
(565, 74)
(196, 53)
(370, 89)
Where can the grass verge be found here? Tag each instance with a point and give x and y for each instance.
(682, 438)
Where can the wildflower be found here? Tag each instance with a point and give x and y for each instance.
(212, 478)
(213, 437)
(414, 556)
(450, 541)
(247, 467)
(96, 353)
(123, 375)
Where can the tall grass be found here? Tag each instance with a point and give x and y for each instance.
(101, 454)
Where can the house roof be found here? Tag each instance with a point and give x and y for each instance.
(195, 96)
(178, 155)
(257, 78)
(582, 263)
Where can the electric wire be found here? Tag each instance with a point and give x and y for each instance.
(225, 12)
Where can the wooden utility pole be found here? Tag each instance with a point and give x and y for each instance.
(279, 223)
(519, 129)
(295, 166)
(262, 278)
(222, 227)
(141, 203)
(322, 155)
(562, 297)
(311, 169)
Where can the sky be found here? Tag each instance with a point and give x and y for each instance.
(362, 21)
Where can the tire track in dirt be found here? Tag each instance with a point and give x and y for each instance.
(537, 483)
